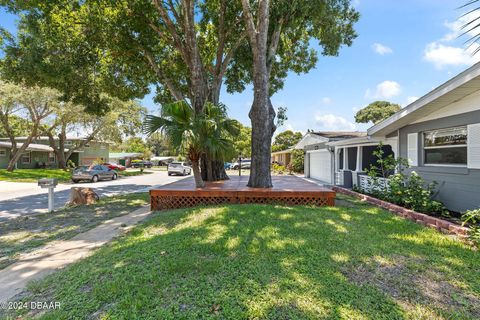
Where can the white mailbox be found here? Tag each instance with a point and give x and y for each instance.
(50, 184)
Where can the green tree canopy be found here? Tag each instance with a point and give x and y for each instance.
(376, 112)
(285, 140)
(243, 141)
(19, 126)
(159, 145)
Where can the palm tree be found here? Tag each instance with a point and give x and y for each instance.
(195, 134)
(472, 27)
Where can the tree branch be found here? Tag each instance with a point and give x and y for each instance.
(272, 49)
(250, 25)
(168, 83)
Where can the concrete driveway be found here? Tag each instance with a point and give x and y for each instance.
(21, 198)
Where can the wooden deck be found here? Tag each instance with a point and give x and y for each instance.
(288, 190)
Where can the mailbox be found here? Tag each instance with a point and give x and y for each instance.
(47, 183)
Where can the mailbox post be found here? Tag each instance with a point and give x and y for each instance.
(49, 184)
(240, 164)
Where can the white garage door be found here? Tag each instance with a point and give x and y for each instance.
(321, 165)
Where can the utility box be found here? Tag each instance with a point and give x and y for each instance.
(45, 183)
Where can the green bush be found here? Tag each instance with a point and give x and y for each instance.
(278, 168)
(472, 218)
(407, 190)
(298, 158)
(412, 192)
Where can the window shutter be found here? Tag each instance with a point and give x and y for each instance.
(412, 149)
(473, 146)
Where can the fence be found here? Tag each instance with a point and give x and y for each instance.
(368, 184)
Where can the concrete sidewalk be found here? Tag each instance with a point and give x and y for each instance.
(57, 254)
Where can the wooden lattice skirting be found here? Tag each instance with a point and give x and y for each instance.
(173, 199)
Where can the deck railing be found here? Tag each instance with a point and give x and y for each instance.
(367, 184)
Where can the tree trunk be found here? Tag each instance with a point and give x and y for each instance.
(199, 183)
(215, 167)
(81, 196)
(61, 161)
(262, 117)
(261, 114)
(18, 153)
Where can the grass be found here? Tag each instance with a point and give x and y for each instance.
(26, 233)
(32, 175)
(131, 173)
(353, 261)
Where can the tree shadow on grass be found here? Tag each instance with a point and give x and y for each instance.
(24, 234)
(258, 261)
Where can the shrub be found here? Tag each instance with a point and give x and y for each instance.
(472, 218)
(278, 168)
(407, 190)
(298, 158)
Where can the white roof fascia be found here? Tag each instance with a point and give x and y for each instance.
(309, 139)
(436, 93)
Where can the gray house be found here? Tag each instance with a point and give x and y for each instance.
(439, 134)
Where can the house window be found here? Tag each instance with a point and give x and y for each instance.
(26, 158)
(68, 143)
(3, 153)
(446, 146)
(51, 157)
(103, 147)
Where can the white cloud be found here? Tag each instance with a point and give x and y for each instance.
(381, 49)
(332, 122)
(384, 90)
(442, 53)
(326, 100)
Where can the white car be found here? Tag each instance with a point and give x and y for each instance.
(179, 168)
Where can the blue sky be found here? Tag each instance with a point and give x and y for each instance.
(404, 50)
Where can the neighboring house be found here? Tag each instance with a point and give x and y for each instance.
(162, 161)
(439, 134)
(39, 154)
(282, 157)
(319, 157)
(124, 158)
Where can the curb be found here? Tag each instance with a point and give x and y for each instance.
(441, 225)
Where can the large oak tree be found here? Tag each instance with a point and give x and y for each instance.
(280, 33)
(186, 49)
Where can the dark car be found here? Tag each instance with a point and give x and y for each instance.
(141, 164)
(93, 173)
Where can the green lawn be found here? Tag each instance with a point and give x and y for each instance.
(131, 173)
(353, 261)
(32, 175)
(27, 233)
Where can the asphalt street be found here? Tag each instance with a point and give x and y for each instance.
(21, 198)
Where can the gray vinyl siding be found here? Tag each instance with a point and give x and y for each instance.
(458, 187)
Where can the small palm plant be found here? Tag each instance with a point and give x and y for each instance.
(195, 134)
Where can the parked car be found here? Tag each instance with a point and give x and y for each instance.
(141, 163)
(245, 164)
(93, 173)
(179, 168)
(227, 165)
(115, 166)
